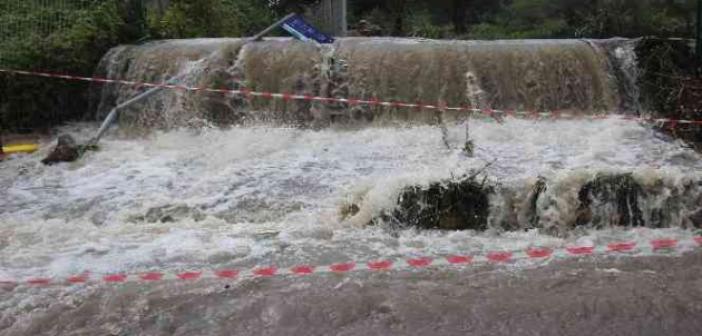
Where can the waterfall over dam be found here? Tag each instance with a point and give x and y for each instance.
(575, 76)
(580, 76)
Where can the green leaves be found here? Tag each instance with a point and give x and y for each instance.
(593, 19)
(210, 18)
(70, 38)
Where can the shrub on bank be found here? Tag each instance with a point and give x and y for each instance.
(30, 103)
(670, 85)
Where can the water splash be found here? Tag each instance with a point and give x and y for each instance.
(245, 195)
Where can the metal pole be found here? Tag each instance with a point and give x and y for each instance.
(271, 27)
(333, 14)
(115, 111)
(340, 17)
(328, 23)
(698, 41)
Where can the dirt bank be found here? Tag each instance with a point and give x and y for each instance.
(614, 296)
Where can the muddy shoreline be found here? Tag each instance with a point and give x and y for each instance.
(607, 296)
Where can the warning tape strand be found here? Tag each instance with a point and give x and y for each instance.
(490, 112)
(656, 246)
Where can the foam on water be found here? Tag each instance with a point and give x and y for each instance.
(248, 196)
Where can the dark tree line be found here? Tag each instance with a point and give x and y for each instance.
(528, 18)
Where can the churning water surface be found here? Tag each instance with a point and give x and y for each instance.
(243, 197)
(256, 196)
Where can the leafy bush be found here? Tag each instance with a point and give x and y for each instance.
(419, 24)
(210, 18)
(591, 19)
(36, 102)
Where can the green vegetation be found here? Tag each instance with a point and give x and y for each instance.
(668, 83)
(210, 18)
(500, 19)
(70, 36)
(79, 40)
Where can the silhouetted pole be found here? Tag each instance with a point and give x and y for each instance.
(334, 14)
(270, 28)
(698, 41)
(340, 9)
(115, 111)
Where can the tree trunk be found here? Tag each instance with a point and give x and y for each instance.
(460, 15)
(333, 14)
(397, 12)
(340, 9)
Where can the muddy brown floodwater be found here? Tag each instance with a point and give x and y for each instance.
(594, 296)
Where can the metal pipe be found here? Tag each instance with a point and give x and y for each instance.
(271, 27)
(339, 17)
(115, 111)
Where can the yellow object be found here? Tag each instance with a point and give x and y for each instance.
(20, 148)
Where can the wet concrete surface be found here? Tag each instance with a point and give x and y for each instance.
(594, 296)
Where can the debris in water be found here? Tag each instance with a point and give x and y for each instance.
(446, 205)
(469, 146)
(66, 151)
(169, 214)
(621, 191)
(537, 190)
(349, 210)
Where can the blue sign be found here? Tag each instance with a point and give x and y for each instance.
(298, 27)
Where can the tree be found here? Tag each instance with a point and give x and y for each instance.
(459, 9)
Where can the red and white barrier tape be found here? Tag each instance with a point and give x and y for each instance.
(656, 246)
(672, 123)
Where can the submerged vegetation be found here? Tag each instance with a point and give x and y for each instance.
(603, 200)
(460, 205)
